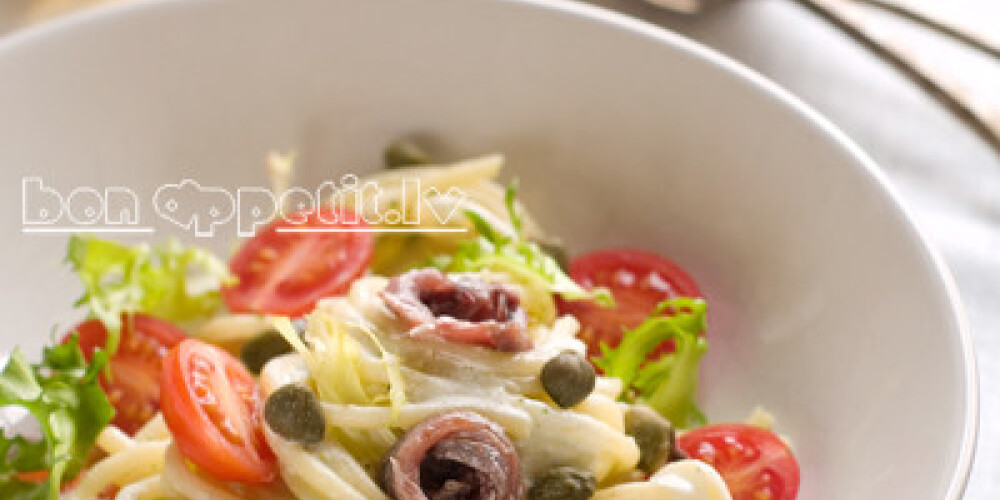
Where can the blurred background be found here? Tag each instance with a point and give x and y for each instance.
(924, 104)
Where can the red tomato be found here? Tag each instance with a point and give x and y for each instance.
(109, 493)
(39, 477)
(638, 281)
(134, 385)
(212, 406)
(285, 273)
(36, 477)
(754, 462)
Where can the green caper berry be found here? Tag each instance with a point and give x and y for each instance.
(568, 378)
(654, 435)
(404, 153)
(263, 348)
(563, 483)
(294, 413)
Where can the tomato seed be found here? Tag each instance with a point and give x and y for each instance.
(268, 254)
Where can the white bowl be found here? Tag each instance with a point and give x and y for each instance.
(827, 305)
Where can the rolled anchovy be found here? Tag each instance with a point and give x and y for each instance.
(454, 456)
(464, 309)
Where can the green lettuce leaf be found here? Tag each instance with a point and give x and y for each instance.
(142, 279)
(667, 384)
(521, 259)
(63, 395)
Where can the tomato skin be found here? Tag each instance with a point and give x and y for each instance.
(39, 477)
(287, 272)
(638, 280)
(212, 406)
(754, 462)
(134, 385)
(36, 477)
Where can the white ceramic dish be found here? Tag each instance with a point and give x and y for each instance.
(827, 305)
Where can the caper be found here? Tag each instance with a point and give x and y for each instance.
(655, 437)
(263, 348)
(293, 412)
(568, 378)
(405, 153)
(563, 483)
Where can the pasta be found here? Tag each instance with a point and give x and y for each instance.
(460, 381)
(590, 436)
(473, 179)
(125, 465)
(457, 381)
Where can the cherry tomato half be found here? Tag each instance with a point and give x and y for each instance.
(753, 461)
(638, 280)
(134, 385)
(211, 405)
(284, 270)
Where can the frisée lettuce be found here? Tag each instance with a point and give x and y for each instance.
(143, 279)
(666, 384)
(522, 260)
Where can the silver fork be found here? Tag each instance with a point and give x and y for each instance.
(682, 6)
(845, 14)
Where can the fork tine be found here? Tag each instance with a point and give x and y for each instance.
(682, 6)
(903, 9)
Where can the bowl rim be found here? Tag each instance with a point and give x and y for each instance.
(862, 164)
